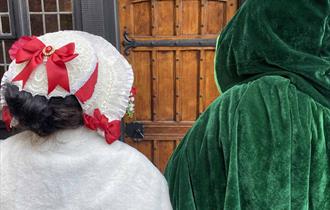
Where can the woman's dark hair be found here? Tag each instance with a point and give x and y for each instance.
(41, 115)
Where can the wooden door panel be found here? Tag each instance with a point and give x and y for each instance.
(140, 15)
(175, 18)
(191, 14)
(216, 16)
(143, 79)
(175, 84)
(163, 152)
(164, 88)
(165, 18)
(189, 90)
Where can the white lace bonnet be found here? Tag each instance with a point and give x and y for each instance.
(98, 75)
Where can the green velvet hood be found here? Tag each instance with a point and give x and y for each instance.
(278, 37)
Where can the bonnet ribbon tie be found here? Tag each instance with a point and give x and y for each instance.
(6, 117)
(34, 52)
(100, 121)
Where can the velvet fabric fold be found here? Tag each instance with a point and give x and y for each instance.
(261, 145)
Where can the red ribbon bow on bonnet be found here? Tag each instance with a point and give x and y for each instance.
(100, 121)
(33, 51)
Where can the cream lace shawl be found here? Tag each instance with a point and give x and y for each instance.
(76, 169)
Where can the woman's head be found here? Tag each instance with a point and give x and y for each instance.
(41, 115)
(65, 79)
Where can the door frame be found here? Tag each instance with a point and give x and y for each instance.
(99, 17)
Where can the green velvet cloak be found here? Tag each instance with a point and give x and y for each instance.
(264, 143)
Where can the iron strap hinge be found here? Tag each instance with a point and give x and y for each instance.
(131, 43)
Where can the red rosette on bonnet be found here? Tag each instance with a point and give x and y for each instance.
(73, 63)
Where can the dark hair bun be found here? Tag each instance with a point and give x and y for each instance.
(41, 115)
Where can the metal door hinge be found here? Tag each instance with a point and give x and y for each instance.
(135, 131)
(131, 43)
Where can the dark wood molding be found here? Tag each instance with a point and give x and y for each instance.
(99, 17)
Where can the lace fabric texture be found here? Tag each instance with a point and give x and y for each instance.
(115, 80)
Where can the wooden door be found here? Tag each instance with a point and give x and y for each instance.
(173, 73)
